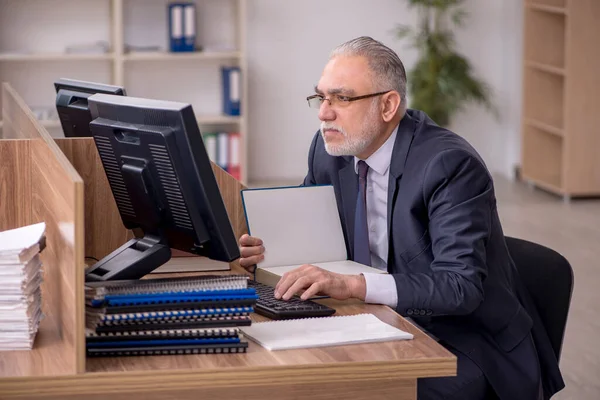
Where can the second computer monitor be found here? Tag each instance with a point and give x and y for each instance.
(163, 183)
(72, 104)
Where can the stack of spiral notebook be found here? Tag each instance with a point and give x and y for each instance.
(199, 315)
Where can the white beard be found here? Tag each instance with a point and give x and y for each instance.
(357, 142)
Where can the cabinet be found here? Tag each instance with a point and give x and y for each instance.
(561, 96)
(35, 33)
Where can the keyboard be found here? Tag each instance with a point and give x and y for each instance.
(270, 307)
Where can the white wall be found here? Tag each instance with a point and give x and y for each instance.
(288, 44)
(492, 41)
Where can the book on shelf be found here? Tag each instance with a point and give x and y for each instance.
(298, 225)
(21, 277)
(184, 315)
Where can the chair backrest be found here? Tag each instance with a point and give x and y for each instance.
(548, 277)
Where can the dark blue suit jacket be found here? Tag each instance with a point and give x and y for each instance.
(448, 255)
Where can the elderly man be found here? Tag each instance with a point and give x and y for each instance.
(417, 201)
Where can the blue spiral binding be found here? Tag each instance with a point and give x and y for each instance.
(177, 314)
(173, 297)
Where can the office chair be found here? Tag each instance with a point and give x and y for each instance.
(548, 277)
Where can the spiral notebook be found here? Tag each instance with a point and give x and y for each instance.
(320, 332)
(224, 348)
(94, 337)
(170, 290)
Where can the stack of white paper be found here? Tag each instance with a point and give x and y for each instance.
(20, 280)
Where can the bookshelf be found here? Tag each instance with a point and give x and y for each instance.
(561, 97)
(34, 59)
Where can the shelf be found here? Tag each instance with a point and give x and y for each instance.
(548, 3)
(560, 96)
(545, 35)
(166, 56)
(544, 127)
(542, 156)
(546, 68)
(548, 8)
(544, 98)
(202, 120)
(549, 187)
(54, 57)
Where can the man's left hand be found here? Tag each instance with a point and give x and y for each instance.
(317, 280)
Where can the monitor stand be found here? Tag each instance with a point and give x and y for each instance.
(135, 259)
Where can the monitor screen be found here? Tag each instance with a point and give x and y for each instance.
(72, 104)
(163, 183)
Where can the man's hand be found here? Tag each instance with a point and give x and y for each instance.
(251, 251)
(317, 280)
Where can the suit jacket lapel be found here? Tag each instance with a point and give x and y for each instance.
(349, 190)
(404, 138)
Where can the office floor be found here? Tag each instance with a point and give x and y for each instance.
(573, 229)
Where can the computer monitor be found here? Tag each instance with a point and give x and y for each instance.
(72, 104)
(163, 183)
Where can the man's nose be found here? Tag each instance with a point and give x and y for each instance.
(326, 113)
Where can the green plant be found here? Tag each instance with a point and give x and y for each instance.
(442, 81)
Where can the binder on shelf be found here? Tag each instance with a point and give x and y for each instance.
(189, 27)
(182, 26)
(223, 150)
(210, 143)
(232, 86)
(234, 155)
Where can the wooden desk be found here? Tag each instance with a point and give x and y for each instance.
(58, 182)
(362, 371)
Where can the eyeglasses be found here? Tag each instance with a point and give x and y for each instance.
(316, 100)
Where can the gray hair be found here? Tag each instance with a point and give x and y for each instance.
(388, 70)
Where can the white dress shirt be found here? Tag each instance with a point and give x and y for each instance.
(381, 288)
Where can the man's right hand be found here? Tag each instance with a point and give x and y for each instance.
(251, 250)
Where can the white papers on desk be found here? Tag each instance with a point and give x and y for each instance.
(319, 332)
(20, 281)
(21, 244)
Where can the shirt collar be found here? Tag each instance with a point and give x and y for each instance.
(380, 160)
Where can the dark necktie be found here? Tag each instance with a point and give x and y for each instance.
(362, 254)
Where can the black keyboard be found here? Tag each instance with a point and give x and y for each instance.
(270, 307)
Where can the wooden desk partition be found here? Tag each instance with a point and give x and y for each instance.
(41, 180)
(101, 213)
(37, 183)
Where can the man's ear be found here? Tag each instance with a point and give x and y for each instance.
(391, 104)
